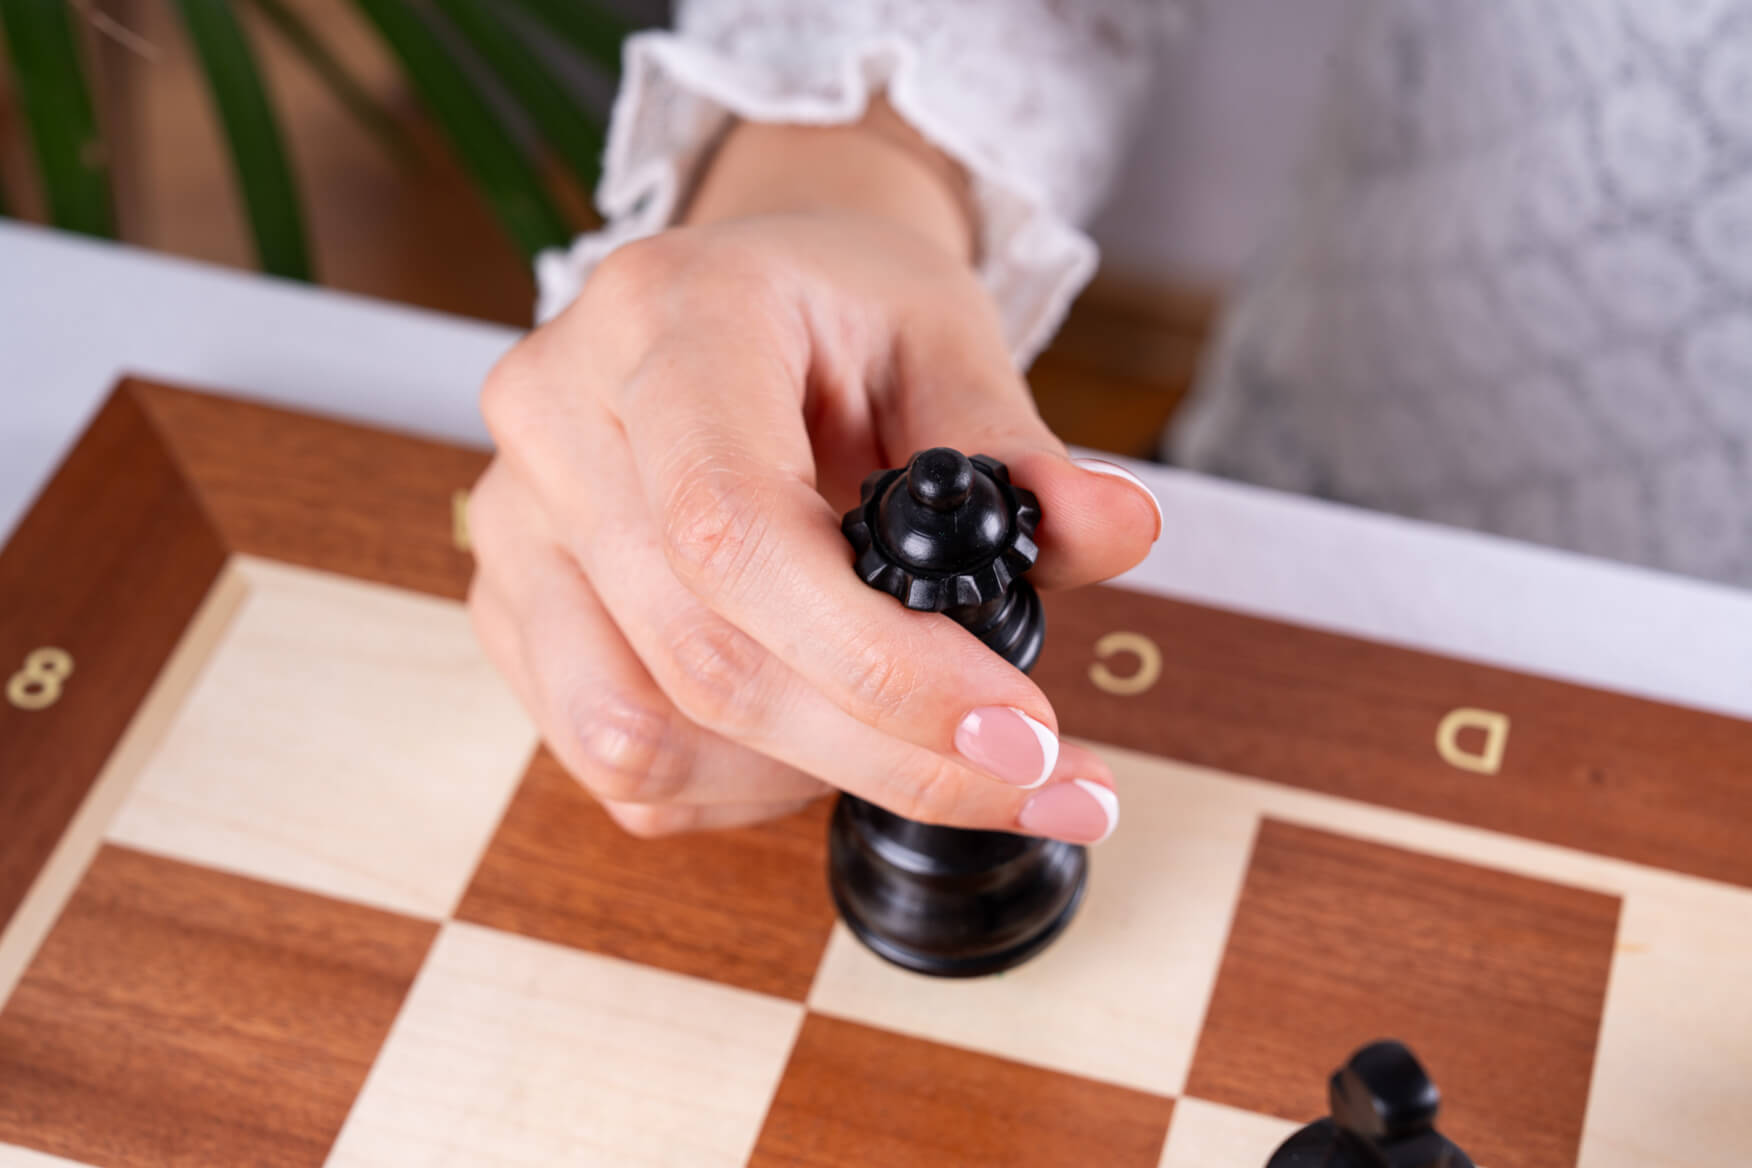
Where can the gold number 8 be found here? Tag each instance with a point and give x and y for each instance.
(38, 685)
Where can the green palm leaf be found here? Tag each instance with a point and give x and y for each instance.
(370, 113)
(50, 79)
(504, 176)
(555, 112)
(590, 28)
(264, 174)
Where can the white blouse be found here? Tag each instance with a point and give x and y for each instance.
(1514, 293)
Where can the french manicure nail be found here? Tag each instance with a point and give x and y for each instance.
(1113, 470)
(1008, 744)
(1081, 811)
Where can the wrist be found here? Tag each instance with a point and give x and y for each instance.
(877, 166)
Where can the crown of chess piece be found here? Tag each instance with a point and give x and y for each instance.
(1383, 1115)
(951, 534)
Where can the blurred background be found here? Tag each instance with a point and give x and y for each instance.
(422, 150)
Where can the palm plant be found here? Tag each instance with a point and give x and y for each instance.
(501, 105)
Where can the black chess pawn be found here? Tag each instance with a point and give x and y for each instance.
(1383, 1116)
(951, 534)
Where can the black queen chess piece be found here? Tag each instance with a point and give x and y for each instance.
(951, 534)
(1383, 1115)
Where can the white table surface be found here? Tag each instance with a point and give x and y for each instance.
(75, 314)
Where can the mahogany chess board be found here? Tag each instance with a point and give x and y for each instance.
(285, 878)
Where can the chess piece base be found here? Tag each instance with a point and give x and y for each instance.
(946, 901)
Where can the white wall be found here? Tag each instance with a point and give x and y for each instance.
(1232, 108)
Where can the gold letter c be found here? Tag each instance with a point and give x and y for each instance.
(1149, 664)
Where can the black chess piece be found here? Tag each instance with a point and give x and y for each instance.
(1383, 1116)
(951, 534)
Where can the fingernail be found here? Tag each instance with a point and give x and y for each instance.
(1081, 811)
(1113, 470)
(1009, 744)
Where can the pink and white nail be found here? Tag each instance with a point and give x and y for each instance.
(1113, 470)
(1009, 745)
(1081, 811)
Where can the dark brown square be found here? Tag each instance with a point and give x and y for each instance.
(748, 907)
(853, 1095)
(178, 1015)
(1496, 981)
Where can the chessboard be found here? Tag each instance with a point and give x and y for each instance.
(287, 879)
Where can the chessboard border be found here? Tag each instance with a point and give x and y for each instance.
(116, 554)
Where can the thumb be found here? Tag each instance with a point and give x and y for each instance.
(1097, 518)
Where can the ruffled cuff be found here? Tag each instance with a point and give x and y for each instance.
(678, 96)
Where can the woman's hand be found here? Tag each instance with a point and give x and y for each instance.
(661, 574)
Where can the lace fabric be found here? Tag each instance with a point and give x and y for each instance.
(1516, 291)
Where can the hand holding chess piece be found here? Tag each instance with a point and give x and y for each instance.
(657, 572)
(1383, 1116)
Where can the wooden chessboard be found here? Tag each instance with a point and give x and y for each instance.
(285, 878)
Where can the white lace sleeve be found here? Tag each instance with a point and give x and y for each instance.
(1033, 97)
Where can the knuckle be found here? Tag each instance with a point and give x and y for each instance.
(486, 514)
(630, 749)
(631, 281)
(649, 285)
(717, 674)
(715, 529)
(883, 682)
(508, 393)
(640, 265)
